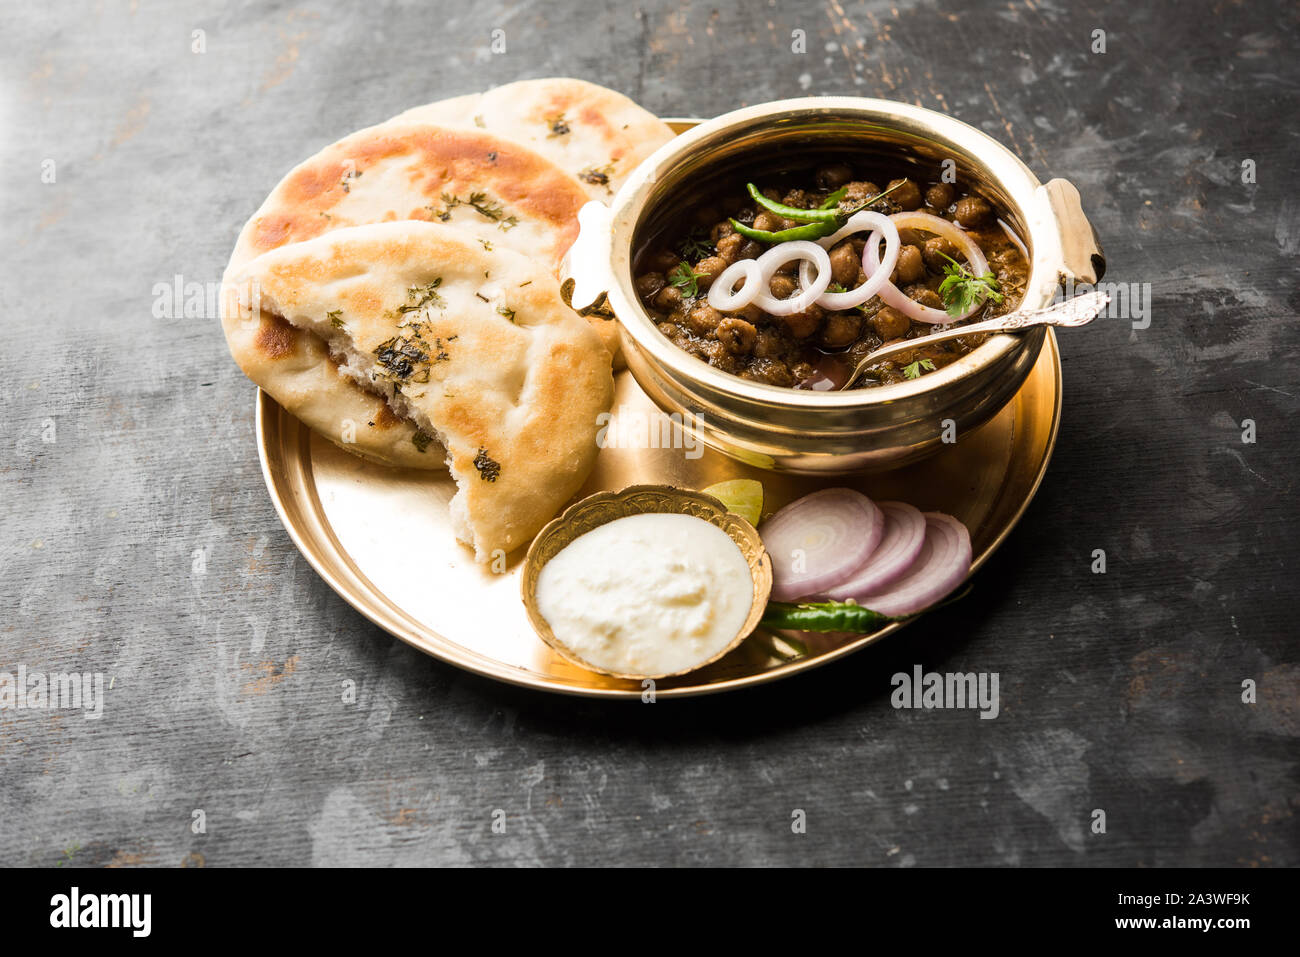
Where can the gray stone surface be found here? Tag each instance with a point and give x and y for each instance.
(1119, 691)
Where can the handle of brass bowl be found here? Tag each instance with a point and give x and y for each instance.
(1082, 258)
(585, 277)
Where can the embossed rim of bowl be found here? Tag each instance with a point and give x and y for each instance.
(608, 506)
(630, 207)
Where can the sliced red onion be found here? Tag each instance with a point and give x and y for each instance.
(940, 227)
(940, 567)
(778, 256)
(819, 540)
(899, 546)
(859, 221)
(722, 294)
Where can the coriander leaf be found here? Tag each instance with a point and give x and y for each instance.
(834, 198)
(686, 279)
(696, 245)
(961, 290)
(915, 369)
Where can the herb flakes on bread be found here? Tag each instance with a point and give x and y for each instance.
(474, 346)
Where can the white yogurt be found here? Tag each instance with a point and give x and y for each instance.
(648, 594)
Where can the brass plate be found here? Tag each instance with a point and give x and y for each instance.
(345, 514)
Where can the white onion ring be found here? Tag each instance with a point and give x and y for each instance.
(819, 540)
(778, 256)
(940, 227)
(893, 557)
(722, 294)
(941, 566)
(859, 221)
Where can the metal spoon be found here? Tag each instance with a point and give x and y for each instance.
(1078, 311)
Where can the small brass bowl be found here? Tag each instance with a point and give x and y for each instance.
(604, 507)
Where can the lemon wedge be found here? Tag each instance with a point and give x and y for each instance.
(742, 496)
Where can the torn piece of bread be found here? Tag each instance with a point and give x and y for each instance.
(474, 345)
(296, 369)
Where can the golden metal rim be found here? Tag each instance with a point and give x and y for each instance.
(337, 570)
(291, 487)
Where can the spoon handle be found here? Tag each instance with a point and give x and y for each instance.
(1078, 311)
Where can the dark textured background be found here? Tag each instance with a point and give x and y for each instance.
(1119, 691)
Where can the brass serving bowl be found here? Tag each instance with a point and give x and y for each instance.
(826, 432)
(604, 507)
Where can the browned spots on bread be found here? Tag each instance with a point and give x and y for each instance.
(467, 419)
(370, 149)
(595, 118)
(290, 273)
(276, 338)
(309, 182)
(460, 158)
(272, 232)
(355, 177)
(385, 419)
(363, 299)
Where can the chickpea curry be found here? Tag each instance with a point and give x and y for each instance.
(818, 292)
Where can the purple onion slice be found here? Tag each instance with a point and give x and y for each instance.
(818, 541)
(899, 546)
(941, 566)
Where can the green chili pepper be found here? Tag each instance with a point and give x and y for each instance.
(814, 230)
(837, 615)
(806, 231)
(824, 616)
(792, 212)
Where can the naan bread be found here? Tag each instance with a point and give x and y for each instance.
(496, 190)
(474, 345)
(589, 131)
(490, 186)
